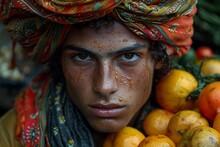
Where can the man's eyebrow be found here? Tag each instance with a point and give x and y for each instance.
(131, 48)
(76, 48)
(121, 50)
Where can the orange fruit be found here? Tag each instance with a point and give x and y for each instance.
(183, 120)
(200, 136)
(216, 123)
(157, 141)
(126, 137)
(172, 90)
(209, 100)
(156, 122)
(108, 140)
(210, 66)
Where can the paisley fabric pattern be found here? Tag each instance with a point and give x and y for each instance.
(40, 26)
(30, 131)
(31, 22)
(169, 22)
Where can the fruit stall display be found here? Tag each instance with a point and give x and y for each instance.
(188, 107)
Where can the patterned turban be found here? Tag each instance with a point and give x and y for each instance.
(40, 26)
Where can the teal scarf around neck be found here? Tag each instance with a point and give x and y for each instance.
(66, 126)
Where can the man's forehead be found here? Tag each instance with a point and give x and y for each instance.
(111, 40)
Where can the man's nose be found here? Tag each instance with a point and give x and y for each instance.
(105, 82)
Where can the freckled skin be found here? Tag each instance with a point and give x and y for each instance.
(105, 78)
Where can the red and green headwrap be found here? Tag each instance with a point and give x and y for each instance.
(40, 26)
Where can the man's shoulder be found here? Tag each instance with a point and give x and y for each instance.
(8, 129)
(8, 118)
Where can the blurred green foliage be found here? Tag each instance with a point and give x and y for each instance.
(207, 23)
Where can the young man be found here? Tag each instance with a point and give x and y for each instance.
(101, 76)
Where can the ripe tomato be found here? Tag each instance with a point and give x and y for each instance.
(203, 51)
(209, 100)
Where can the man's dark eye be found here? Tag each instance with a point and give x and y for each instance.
(83, 56)
(129, 55)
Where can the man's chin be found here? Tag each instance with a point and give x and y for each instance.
(107, 125)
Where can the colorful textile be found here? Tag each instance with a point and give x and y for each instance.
(170, 22)
(41, 25)
(29, 111)
(46, 114)
(31, 22)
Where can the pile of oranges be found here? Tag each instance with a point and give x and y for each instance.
(179, 121)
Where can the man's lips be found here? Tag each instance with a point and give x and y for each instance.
(107, 110)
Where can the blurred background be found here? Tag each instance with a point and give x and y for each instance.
(207, 25)
(14, 79)
(14, 74)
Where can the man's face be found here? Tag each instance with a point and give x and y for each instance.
(108, 74)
